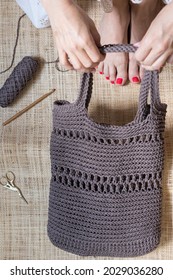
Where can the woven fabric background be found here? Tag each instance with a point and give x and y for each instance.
(24, 144)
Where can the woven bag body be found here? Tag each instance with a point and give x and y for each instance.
(105, 193)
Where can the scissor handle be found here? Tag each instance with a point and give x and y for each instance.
(10, 176)
(3, 181)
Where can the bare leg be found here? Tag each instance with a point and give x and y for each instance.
(113, 30)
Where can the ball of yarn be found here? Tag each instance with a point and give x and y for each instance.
(18, 79)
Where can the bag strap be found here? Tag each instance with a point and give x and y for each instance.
(150, 82)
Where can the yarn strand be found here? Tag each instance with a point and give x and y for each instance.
(15, 46)
(21, 74)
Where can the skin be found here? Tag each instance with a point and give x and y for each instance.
(141, 17)
(156, 47)
(122, 67)
(77, 38)
(75, 34)
(113, 30)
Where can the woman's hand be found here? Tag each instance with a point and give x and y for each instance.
(75, 34)
(156, 47)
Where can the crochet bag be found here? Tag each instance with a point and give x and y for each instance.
(105, 193)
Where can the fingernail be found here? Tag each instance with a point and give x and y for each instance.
(135, 80)
(107, 78)
(112, 82)
(101, 73)
(119, 81)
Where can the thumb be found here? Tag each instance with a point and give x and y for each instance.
(137, 44)
(96, 36)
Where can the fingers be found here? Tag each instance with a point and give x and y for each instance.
(71, 62)
(151, 58)
(143, 51)
(81, 62)
(158, 63)
(95, 34)
(76, 37)
(75, 59)
(79, 59)
(148, 53)
(63, 59)
(137, 44)
(154, 57)
(84, 59)
(92, 46)
(93, 52)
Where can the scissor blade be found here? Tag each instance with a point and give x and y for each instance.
(24, 199)
(21, 195)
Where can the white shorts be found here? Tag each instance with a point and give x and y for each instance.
(35, 12)
(140, 1)
(38, 16)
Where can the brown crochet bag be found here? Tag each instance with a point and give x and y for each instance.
(105, 193)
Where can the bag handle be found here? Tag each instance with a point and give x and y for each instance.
(150, 82)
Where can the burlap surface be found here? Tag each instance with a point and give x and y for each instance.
(24, 144)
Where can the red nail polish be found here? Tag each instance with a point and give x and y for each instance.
(135, 80)
(119, 81)
(107, 78)
(112, 82)
(101, 73)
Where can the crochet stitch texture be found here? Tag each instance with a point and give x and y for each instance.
(18, 79)
(105, 193)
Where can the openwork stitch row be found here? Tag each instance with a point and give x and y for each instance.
(77, 174)
(88, 137)
(105, 187)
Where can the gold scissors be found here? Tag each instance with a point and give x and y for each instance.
(7, 182)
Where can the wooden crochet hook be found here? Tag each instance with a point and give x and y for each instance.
(28, 107)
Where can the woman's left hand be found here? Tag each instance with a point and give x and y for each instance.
(156, 47)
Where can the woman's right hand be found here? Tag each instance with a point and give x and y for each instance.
(156, 47)
(76, 36)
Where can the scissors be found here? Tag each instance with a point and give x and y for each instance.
(7, 182)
